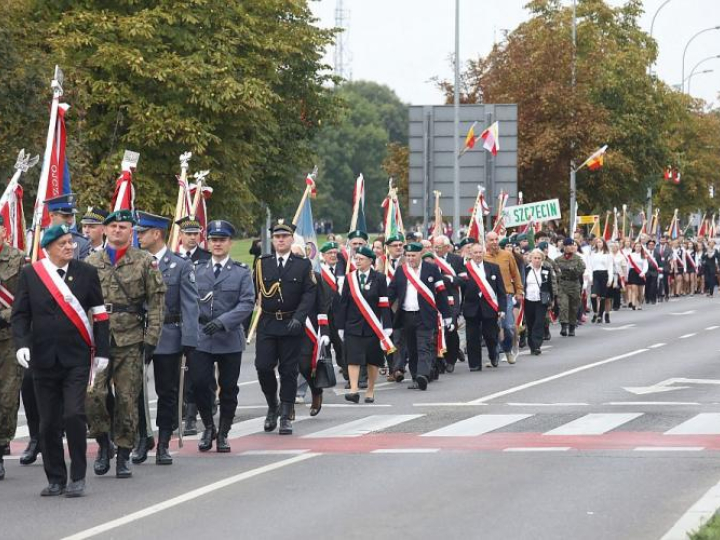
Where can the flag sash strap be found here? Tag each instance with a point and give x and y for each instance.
(681, 260)
(481, 281)
(329, 278)
(445, 267)
(313, 336)
(691, 259)
(6, 297)
(422, 289)
(65, 299)
(651, 259)
(634, 265)
(521, 314)
(368, 314)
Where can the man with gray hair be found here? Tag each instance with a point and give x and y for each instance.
(452, 269)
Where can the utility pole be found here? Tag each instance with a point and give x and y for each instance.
(456, 130)
(573, 198)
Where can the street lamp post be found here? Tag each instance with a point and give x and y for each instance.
(686, 48)
(573, 195)
(703, 72)
(652, 24)
(692, 71)
(456, 129)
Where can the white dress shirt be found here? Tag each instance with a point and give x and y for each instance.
(160, 254)
(411, 302)
(533, 282)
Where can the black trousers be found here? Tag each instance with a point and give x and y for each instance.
(202, 372)
(27, 391)
(651, 288)
(420, 343)
(475, 328)
(452, 341)
(61, 395)
(664, 285)
(166, 368)
(535, 323)
(283, 353)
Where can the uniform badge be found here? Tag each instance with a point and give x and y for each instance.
(430, 279)
(192, 277)
(367, 286)
(70, 278)
(173, 265)
(492, 277)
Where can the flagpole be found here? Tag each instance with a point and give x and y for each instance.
(456, 132)
(180, 205)
(573, 201)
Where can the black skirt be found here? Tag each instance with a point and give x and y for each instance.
(634, 278)
(599, 283)
(363, 350)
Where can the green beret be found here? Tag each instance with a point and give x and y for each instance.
(358, 234)
(327, 246)
(503, 242)
(399, 237)
(414, 247)
(467, 240)
(52, 234)
(542, 246)
(428, 255)
(365, 251)
(120, 216)
(521, 237)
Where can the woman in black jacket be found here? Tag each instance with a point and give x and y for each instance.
(538, 296)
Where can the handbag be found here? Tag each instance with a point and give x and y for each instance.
(544, 298)
(324, 374)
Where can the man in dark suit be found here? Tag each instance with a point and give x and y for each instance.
(451, 266)
(58, 297)
(285, 285)
(189, 248)
(663, 255)
(484, 303)
(332, 276)
(420, 292)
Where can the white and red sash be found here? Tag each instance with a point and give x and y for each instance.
(448, 270)
(651, 259)
(423, 290)
(329, 278)
(6, 297)
(314, 337)
(367, 312)
(634, 265)
(689, 256)
(485, 288)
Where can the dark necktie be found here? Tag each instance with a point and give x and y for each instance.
(62, 273)
(332, 270)
(280, 264)
(188, 254)
(362, 280)
(218, 267)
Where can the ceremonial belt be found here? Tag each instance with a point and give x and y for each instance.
(279, 315)
(125, 308)
(429, 297)
(172, 318)
(368, 314)
(329, 278)
(6, 297)
(634, 265)
(485, 288)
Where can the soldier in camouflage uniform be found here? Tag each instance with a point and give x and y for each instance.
(134, 293)
(11, 373)
(571, 269)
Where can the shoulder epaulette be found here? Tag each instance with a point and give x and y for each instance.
(240, 264)
(265, 256)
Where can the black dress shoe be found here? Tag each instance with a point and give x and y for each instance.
(209, 435)
(223, 445)
(106, 452)
(477, 368)
(399, 376)
(53, 490)
(285, 423)
(494, 361)
(369, 399)
(75, 489)
(461, 356)
(450, 368)
(271, 418)
(422, 382)
(31, 452)
(316, 406)
(353, 396)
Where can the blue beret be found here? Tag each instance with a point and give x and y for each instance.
(220, 228)
(145, 221)
(62, 204)
(568, 242)
(52, 234)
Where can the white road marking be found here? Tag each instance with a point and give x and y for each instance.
(449, 404)
(557, 376)
(538, 449)
(616, 328)
(189, 496)
(688, 335)
(363, 426)
(661, 403)
(668, 449)
(477, 425)
(594, 424)
(696, 516)
(700, 424)
(405, 451)
(547, 404)
(712, 327)
(378, 386)
(689, 312)
(244, 428)
(21, 432)
(273, 452)
(657, 345)
(354, 405)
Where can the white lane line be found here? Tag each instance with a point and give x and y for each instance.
(557, 376)
(657, 345)
(660, 403)
(354, 405)
(477, 425)
(189, 496)
(700, 424)
(594, 424)
(363, 426)
(712, 327)
(273, 452)
(538, 449)
(405, 451)
(547, 404)
(379, 386)
(668, 449)
(449, 404)
(688, 335)
(696, 516)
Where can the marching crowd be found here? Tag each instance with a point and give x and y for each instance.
(79, 327)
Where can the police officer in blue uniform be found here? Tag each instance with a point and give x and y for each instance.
(286, 286)
(226, 298)
(179, 334)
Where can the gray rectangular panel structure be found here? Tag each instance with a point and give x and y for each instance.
(432, 157)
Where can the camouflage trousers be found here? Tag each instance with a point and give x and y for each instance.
(125, 372)
(11, 376)
(569, 299)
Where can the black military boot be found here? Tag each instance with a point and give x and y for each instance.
(563, 329)
(547, 336)
(271, 419)
(208, 435)
(163, 457)
(122, 464)
(190, 420)
(522, 341)
(571, 332)
(31, 452)
(144, 444)
(105, 453)
(285, 422)
(223, 446)
(2, 463)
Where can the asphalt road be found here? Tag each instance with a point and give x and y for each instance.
(611, 435)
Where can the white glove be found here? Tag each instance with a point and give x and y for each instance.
(23, 357)
(388, 332)
(450, 327)
(341, 333)
(324, 341)
(100, 364)
(610, 283)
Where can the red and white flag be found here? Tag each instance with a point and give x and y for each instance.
(491, 139)
(201, 213)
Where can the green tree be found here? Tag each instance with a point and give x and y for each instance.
(373, 116)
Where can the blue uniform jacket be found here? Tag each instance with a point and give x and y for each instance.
(230, 299)
(180, 303)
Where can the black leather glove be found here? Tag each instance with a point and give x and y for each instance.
(294, 327)
(187, 351)
(148, 351)
(212, 327)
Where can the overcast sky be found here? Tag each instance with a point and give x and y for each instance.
(404, 43)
